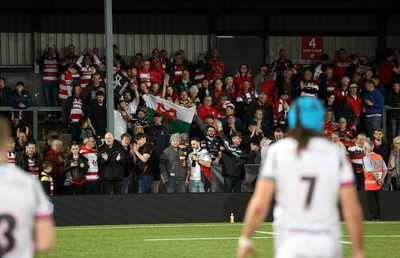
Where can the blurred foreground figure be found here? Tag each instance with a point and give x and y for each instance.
(307, 191)
(26, 223)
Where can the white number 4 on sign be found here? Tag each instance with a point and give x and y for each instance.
(312, 43)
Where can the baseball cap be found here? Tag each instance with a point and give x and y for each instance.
(309, 112)
(2, 78)
(353, 85)
(175, 136)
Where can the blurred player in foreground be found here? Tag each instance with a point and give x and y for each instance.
(26, 223)
(307, 192)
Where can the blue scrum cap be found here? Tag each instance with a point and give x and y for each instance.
(310, 112)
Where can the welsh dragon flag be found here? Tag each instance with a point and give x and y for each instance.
(177, 118)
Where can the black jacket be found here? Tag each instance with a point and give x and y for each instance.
(111, 169)
(394, 101)
(76, 172)
(22, 161)
(4, 95)
(233, 160)
(382, 150)
(98, 117)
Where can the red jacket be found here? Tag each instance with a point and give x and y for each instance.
(239, 80)
(57, 164)
(269, 87)
(355, 104)
(340, 94)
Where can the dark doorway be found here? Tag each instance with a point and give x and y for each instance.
(240, 50)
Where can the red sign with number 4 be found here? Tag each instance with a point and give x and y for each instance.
(312, 48)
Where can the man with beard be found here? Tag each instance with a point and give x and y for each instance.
(198, 178)
(211, 142)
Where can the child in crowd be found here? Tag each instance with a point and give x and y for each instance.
(46, 179)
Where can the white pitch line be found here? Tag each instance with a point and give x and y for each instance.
(265, 232)
(345, 242)
(200, 238)
(378, 236)
(130, 226)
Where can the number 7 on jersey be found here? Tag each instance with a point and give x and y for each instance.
(311, 181)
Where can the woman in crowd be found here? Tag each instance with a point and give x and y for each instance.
(330, 124)
(262, 126)
(75, 168)
(170, 93)
(30, 160)
(244, 74)
(332, 104)
(230, 87)
(394, 164)
(155, 89)
(193, 98)
(138, 128)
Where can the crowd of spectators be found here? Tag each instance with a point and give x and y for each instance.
(237, 117)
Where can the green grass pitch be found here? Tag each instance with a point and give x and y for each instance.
(381, 239)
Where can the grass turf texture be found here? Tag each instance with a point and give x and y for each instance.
(381, 239)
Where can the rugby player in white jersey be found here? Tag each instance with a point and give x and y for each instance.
(26, 223)
(309, 177)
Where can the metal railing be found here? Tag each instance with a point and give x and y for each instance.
(35, 115)
(36, 110)
(384, 119)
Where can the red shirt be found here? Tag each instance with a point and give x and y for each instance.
(340, 66)
(204, 111)
(147, 77)
(385, 71)
(217, 70)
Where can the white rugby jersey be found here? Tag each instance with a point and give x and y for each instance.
(22, 202)
(307, 184)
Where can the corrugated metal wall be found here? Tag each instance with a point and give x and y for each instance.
(16, 49)
(359, 45)
(393, 42)
(130, 44)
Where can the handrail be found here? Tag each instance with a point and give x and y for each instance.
(34, 111)
(384, 118)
